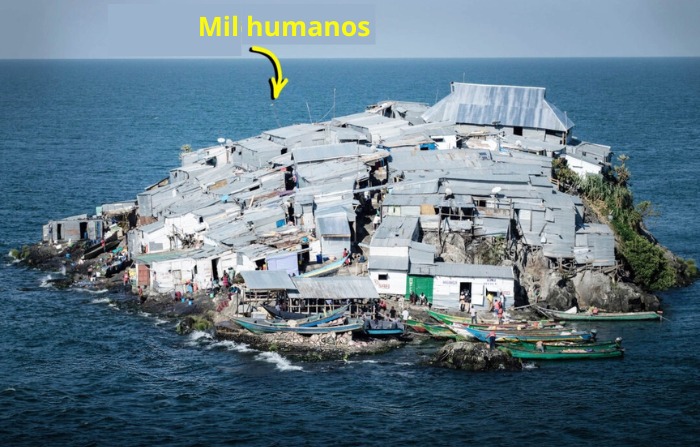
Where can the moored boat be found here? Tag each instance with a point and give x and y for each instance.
(440, 331)
(573, 315)
(416, 326)
(383, 328)
(284, 315)
(582, 352)
(529, 335)
(452, 319)
(259, 326)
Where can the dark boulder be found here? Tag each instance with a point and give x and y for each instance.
(474, 357)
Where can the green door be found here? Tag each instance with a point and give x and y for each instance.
(420, 284)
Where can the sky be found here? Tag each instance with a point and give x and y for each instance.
(86, 29)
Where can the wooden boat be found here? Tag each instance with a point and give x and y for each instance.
(583, 352)
(528, 335)
(258, 326)
(600, 316)
(320, 318)
(284, 315)
(417, 326)
(383, 328)
(554, 346)
(326, 269)
(440, 331)
(467, 321)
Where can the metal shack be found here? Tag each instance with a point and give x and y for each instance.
(475, 280)
(73, 228)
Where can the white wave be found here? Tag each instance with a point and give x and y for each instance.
(529, 365)
(280, 362)
(199, 335)
(232, 346)
(160, 321)
(99, 301)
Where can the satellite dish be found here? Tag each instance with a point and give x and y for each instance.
(496, 190)
(221, 140)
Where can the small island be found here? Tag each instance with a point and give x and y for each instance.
(487, 194)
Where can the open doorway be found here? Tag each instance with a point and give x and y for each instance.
(59, 232)
(83, 230)
(466, 289)
(215, 269)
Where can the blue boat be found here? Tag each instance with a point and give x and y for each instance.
(259, 326)
(383, 328)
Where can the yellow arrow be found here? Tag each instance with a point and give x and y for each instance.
(277, 82)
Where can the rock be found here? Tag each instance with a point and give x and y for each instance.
(474, 357)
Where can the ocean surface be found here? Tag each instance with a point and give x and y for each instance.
(76, 370)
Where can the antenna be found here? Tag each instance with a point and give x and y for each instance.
(274, 112)
(309, 110)
(333, 102)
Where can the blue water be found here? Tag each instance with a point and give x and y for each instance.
(75, 370)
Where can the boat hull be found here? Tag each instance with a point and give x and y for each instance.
(601, 316)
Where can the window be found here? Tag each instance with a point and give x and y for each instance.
(517, 130)
(383, 277)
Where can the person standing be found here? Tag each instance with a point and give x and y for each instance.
(472, 312)
(423, 299)
(500, 314)
(462, 301)
(492, 339)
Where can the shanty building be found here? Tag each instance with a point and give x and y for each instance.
(519, 111)
(477, 281)
(73, 228)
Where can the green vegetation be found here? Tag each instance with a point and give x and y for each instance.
(186, 148)
(611, 199)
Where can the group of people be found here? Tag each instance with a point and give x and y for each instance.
(420, 300)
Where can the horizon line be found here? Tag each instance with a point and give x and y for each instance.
(248, 57)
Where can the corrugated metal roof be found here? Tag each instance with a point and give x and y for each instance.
(335, 225)
(295, 130)
(511, 105)
(267, 280)
(395, 263)
(473, 270)
(330, 152)
(336, 288)
(420, 253)
(393, 227)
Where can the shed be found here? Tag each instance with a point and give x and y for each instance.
(476, 280)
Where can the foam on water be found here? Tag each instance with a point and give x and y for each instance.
(104, 300)
(232, 346)
(280, 362)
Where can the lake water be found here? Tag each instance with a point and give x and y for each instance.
(75, 370)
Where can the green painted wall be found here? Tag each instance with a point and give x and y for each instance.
(420, 284)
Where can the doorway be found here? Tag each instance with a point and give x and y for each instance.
(83, 230)
(215, 269)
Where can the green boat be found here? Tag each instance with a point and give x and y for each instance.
(440, 331)
(565, 354)
(416, 326)
(552, 346)
(572, 315)
(451, 319)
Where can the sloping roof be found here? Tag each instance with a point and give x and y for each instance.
(267, 280)
(396, 263)
(511, 105)
(336, 288)
(473, 270)
(335, 225)
(330, 151)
